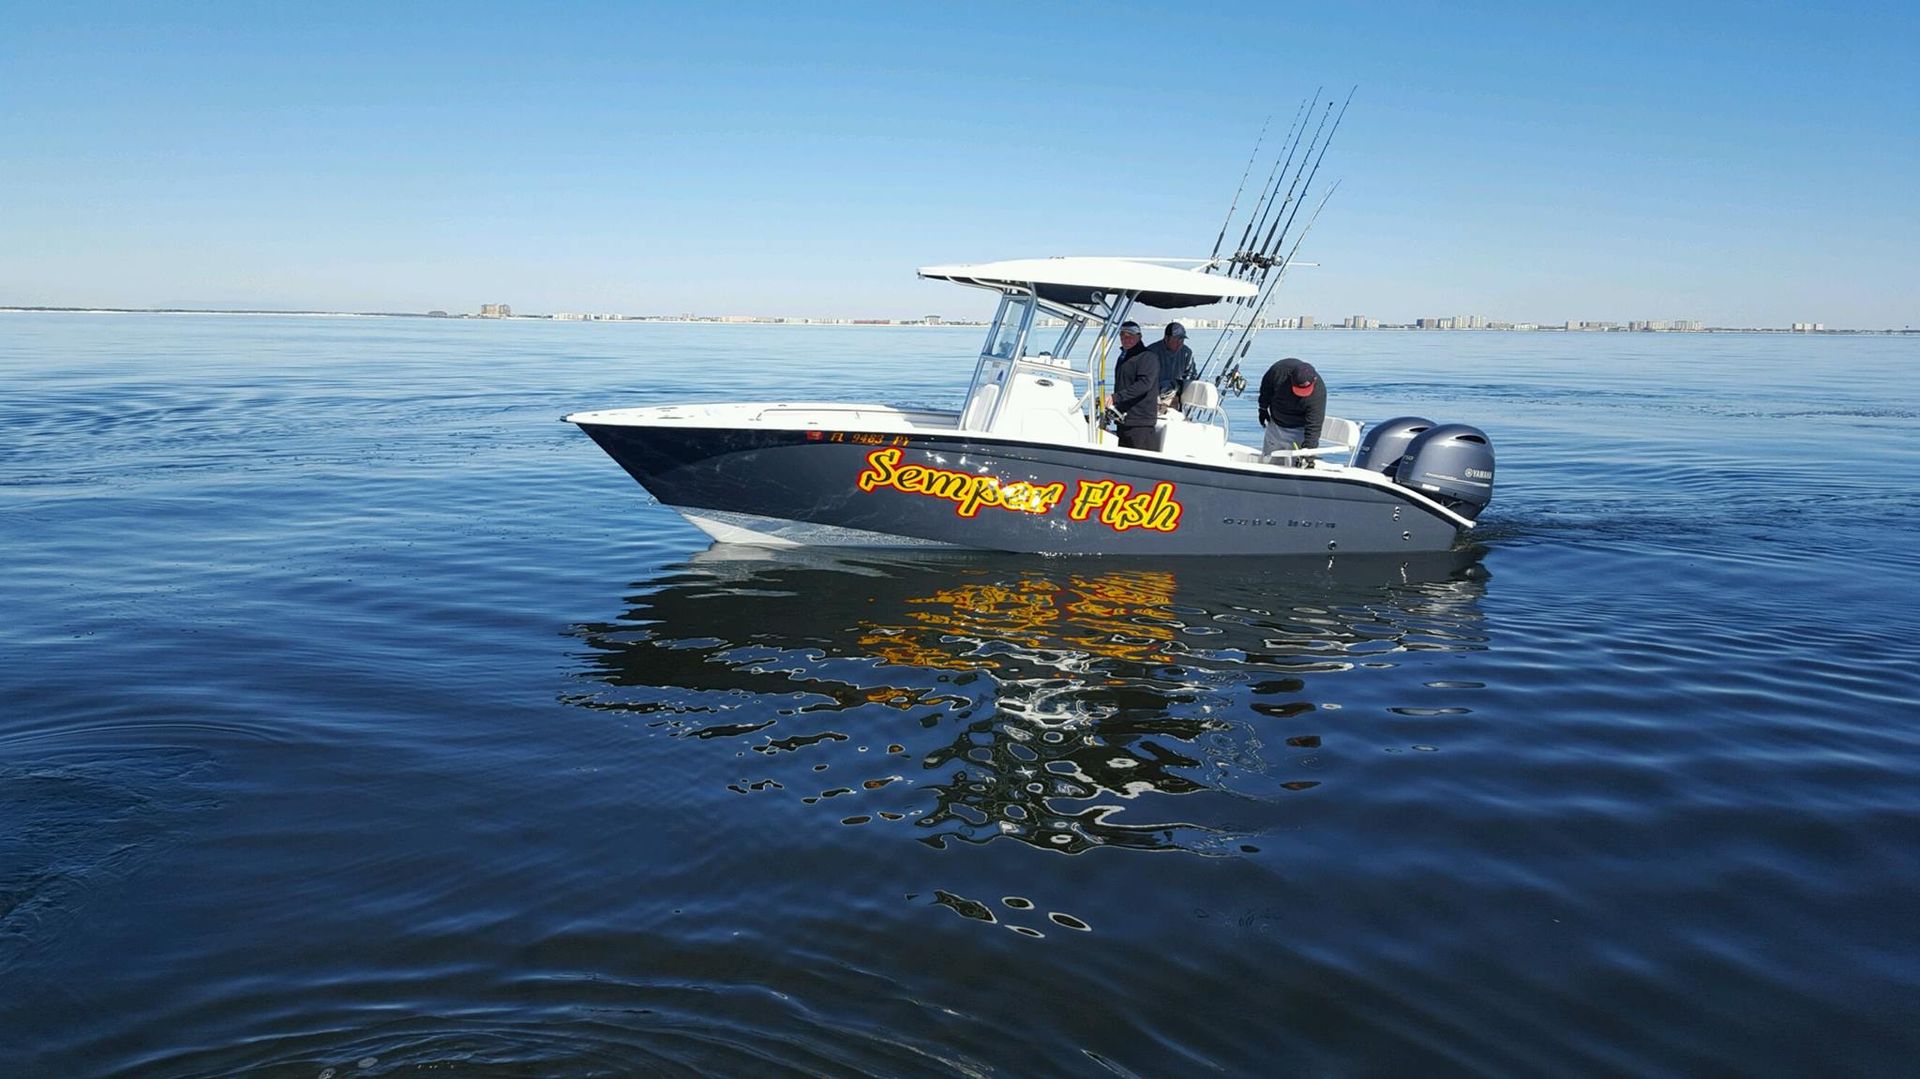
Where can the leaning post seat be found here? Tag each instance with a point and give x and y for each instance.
(1200, 394)
(1338, 432)
(1182, 437)
(1339, 441)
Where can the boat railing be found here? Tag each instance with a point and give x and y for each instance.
(852, 414)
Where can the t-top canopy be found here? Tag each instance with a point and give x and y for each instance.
(1081, 281)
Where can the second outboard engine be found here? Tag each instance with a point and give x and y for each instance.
(1453, 463)
(1386, 443)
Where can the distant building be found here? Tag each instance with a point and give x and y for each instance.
(1306, 322)
(1809, 327)
(438, 314)
(931, 320)
(495, 310)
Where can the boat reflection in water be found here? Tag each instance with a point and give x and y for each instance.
(1066, 704)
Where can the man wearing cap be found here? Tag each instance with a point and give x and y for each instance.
(1293, 406)
(1176, 363)
(1136, 384)
(1130, 342)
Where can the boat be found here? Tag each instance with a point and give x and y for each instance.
(1024, 464)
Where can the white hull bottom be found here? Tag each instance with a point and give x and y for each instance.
(726, 526)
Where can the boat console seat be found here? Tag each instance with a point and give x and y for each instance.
(1028, 403)
(1042, 406)
(1200, 395)
(1182, 437)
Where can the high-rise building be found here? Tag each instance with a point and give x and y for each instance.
(1306, 322)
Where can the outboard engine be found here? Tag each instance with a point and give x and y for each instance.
(1453, 463)
(1387, 442)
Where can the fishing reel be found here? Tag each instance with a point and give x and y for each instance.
(1232, 379)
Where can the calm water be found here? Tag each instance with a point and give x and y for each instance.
(359, 719)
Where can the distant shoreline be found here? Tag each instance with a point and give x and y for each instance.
(884, 323)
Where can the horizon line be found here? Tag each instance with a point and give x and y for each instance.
(1516, 326)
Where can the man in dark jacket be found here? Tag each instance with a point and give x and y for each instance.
(1293, 406)
(1136, 384)
(1129, 346)
(1176, 362)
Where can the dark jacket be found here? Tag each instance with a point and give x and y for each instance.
(1136, 383)
(1280, 405)
(1176, 365)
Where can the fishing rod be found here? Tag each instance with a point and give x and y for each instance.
(1235, 204)
(1261, 254)
(1261, 262)
(1267, 189)
(1246, 265)
(1316, 162)
(1252, 329)
(1257, 216)
(1241, 267)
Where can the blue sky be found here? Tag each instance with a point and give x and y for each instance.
(1745, 164)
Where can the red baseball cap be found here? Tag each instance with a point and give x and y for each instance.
(1304, 377)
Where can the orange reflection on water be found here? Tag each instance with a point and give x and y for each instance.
(1113, 615)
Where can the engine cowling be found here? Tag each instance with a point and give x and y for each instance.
(1453, 464)
(1386, 442)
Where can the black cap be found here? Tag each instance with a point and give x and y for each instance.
(1174, 329)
